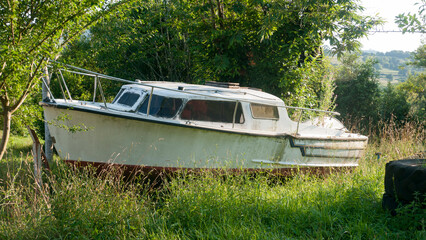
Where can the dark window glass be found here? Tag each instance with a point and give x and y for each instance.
(128, 98)
(161, 106)
(213, 111)
(118, 95)
(264, 111)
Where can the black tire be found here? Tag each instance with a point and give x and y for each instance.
(405, 181)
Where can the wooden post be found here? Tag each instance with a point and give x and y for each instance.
(48, 144)
(37, 142)
(37, 157)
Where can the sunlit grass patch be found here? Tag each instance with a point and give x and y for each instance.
(18, 146)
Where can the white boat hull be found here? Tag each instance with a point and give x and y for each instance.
(122, 140)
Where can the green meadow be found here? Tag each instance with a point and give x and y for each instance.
(78, 204)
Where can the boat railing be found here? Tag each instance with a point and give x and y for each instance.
(97, 85)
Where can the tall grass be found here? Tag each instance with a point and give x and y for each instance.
(78, 204)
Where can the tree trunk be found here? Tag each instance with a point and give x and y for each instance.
(212, 14)
(7, 117)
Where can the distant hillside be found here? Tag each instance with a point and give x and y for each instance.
(391, 65)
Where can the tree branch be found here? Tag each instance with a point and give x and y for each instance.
(33, 9)
(4, 101)
(1, 73)
(53, 32)
(79, 31)
(11, 24)
(28, 88)
(2, 68)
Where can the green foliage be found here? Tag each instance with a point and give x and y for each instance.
(28, 114)
(61, 120)
(366, 106)
(411, 22)
(76, 204)
(419, 57)
(414, 88)
(142, 43)
(315, 90)
(357, 92)
(31, 32)
(394, 105)
(392, 65)
(396, 63)
(265, 44)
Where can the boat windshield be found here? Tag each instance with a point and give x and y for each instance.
(213, 111)
(161, 106)
(128, 98)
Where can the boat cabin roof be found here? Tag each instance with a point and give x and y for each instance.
(192, 91)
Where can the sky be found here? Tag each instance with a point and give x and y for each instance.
(388, 9)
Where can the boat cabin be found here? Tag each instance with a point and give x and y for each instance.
(211, 106)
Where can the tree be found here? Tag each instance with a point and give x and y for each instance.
(393, 105)
(419, 57)
(31, 32)
(357, 91)
(272, 45)
(414, 87)
(143, 43)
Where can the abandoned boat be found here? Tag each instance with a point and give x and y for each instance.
(171, 125)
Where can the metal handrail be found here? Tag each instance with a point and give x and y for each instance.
(235, 113)
(62, 89)
(94, 88)
(149, 102)
(47, 87)
(65, 85)
(102, 93)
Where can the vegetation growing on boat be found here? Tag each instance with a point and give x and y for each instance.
(61, 122)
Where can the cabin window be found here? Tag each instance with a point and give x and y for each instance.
(213, 111)
(161, 106)
(128, 98)
(118, 96)
(264, 111)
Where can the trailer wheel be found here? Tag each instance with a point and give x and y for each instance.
(405, 181)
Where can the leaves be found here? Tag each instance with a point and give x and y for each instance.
(31, 32)
(411, 22)
(357, 91)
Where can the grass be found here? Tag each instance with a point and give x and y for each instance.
(75, 204)
(18, 146)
